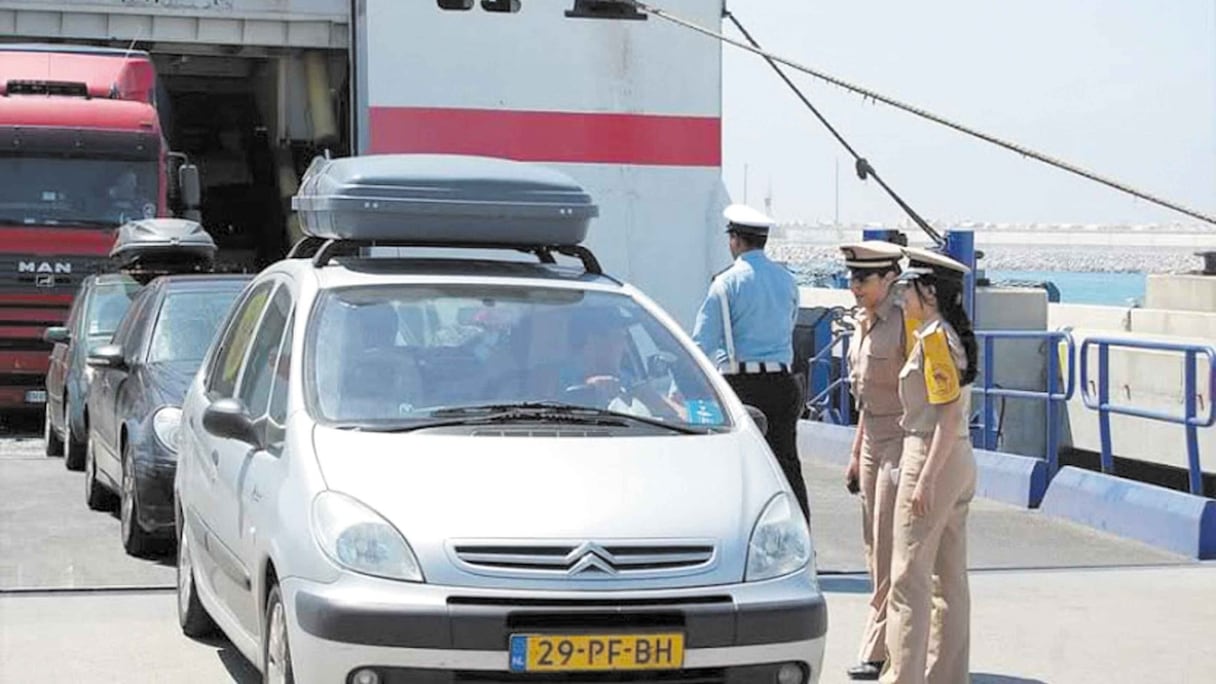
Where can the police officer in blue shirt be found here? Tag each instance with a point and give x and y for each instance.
(746, 326)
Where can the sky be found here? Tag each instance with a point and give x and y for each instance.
(1125, 88)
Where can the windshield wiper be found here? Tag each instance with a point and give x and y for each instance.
(541, 409)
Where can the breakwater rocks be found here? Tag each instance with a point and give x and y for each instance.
(819, 258)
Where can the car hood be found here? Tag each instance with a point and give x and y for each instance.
(445, 490)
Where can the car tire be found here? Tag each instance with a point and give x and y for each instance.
(135, 540)
(193, 618)
(74, 450)
(54, 445)
(276, 652)
(96, 496)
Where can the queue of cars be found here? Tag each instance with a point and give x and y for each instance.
(400, 465)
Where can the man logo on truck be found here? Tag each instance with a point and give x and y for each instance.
(44, 267)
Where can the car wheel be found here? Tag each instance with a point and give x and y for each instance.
(96, 496)
(54, 445)
(191, 615)
(276, 653)
(74, 450)
(135, 539)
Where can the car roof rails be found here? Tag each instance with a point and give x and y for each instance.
(321, 251)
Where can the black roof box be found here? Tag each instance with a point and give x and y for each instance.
(164, 244)
(440, 200)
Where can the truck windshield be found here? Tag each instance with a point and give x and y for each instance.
(76, 191)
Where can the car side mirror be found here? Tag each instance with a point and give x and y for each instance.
(758, 418)
(228, 418)
(56, 335)
(192, 192)
(107, 356)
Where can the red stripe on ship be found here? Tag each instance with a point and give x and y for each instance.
(56, 241)
(588, 138)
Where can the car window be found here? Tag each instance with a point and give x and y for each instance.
(128, 327)
(263, 354)
(369, 359)
(106, 307)
(187, 323)
(227, 362)
(282, 379)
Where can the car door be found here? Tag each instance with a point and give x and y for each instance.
(103, 400)
(243, 471)
(222, 570)
(56, 374)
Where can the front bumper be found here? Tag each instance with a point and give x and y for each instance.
(734, 634)
(154, 491)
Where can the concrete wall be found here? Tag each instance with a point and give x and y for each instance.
(1181, 292)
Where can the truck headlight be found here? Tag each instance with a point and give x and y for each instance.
(781, 541)
(166, 425)
(357, 538)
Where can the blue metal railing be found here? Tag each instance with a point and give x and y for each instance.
(1054, 397)
(819, 372)
(1190, 418)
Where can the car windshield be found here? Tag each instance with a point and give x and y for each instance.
(107, 306)
(397, 354)
(65, 191)
(187, 322)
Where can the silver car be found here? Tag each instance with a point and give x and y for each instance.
(449, 470)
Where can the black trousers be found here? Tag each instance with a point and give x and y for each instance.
(779, 399)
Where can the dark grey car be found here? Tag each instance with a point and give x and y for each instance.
(133, 405)
(96, 311)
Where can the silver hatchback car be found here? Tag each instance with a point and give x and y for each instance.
(467, 468)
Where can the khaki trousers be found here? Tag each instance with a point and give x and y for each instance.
(881, 446)
(929, 608)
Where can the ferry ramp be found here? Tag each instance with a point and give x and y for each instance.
(1052, 601)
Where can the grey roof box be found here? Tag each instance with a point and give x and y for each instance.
(441, 199)
(162, 241)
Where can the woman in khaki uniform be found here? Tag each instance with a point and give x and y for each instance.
(929, 607)
(876, 353)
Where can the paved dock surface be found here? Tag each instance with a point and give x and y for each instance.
(1053, 602)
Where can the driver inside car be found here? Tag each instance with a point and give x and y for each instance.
(601, 374)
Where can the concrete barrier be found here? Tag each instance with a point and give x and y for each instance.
(1169, 519)
(1017, 480)
(1010, 478)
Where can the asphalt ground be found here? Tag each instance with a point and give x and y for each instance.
(1052, 601)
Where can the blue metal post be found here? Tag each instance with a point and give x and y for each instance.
(821, 373)
(845, 398)
(1192, 429)
(1107, 456)
(989, 405)
(960, 246)
(1053, 414)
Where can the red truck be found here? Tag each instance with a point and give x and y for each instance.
(81, 152)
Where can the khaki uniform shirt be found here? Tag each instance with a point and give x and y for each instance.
(931, 378)
(876, 354)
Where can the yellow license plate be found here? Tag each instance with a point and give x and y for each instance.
(584, 652)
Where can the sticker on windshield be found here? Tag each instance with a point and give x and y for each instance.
(704, 412)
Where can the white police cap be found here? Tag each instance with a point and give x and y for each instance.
(872, 254)
(922, 262)
(741, 218)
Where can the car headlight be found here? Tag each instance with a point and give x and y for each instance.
(357, 538)
(781, 541)
(167, 425)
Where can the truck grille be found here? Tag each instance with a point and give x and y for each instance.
(584, 560)
(46, 275)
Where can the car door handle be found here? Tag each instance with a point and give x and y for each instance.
(215, 458)
(255, 495)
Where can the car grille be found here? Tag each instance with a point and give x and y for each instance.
(585, 560)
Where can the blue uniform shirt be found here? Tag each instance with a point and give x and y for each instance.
(763, 299)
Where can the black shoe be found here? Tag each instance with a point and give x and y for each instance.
(867, 671)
